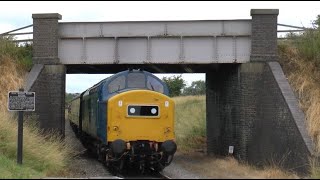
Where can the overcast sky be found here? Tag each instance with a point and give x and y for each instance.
(18, 14)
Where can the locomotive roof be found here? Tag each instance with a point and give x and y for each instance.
(116, 75)
(94, 87)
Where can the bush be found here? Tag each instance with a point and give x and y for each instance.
(22, 53)
(196, 88)
(175, 85)
(308, 42)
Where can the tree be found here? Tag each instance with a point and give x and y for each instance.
(196, 88)
(175, 85)
(316, 22)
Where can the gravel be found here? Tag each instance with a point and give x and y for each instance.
(83, 165)
(175, 171)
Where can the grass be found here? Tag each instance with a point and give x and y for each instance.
(230, 168)
(10, 170)
(300, 60)
(43, 155)
(190, 123)
(304, 77)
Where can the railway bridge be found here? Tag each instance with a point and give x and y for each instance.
(250, 105)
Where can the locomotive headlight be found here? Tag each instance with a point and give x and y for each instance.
(143, 110)
(119, 103)
(132, 110)
(153, 111)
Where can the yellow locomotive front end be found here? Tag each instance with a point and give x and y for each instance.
(140, 128)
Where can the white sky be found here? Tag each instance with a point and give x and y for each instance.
(18, 14)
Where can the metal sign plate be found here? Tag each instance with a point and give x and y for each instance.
(21, 101)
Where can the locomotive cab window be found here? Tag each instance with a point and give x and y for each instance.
(154, 84)
(117, 84)
(136, 80)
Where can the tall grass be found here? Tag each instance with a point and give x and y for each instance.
(190, 122)
(304, 77)
(300, 60)
(42, 155)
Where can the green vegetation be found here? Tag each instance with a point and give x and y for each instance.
(69, 97)
(190, 123)
(43, 155)
(10, 170)
(308, 42)
(300, 60)
(196, 88)
(22, 53)
(175, 85)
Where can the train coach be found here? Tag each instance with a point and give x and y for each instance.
(127, 120)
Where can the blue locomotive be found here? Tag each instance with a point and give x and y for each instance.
(127, 120)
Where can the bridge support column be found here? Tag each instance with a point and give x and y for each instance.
(252, 108)
(222, 92)
(264, 34)
(49, 85)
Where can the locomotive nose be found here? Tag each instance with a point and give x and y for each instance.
(169, 147)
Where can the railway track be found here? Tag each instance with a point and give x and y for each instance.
(88, 163)
(159, 176)
(150, 175)
(131, 174)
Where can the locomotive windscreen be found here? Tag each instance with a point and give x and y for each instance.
(136, 80)
(136, 110)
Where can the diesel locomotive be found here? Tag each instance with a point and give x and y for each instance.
(127, 120)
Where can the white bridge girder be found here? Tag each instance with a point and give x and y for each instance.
(172, 42)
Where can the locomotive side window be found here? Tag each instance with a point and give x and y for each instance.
(154, 84)
(136, 80)
(117, 84)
